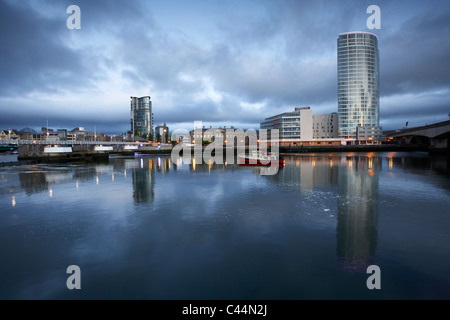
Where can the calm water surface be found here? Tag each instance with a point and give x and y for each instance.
(148, 228)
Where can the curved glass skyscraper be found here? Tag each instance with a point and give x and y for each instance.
(141, 116)
(358, 83)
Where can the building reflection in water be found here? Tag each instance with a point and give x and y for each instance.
(306, 172)
(358, 212)
(143, 177)
(356, 180)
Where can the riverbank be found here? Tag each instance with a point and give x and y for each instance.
(359, 148)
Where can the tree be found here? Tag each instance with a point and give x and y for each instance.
(158, 137)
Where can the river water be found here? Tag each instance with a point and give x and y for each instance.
(149, 228)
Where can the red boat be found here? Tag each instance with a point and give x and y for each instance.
(260, 158)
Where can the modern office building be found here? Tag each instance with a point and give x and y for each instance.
(141, 116)
(292, 125)
(358, 82)
(325, 126)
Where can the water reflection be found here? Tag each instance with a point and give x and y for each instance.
(143, 177)
(357, 212)
(318, 214)
(356, 180)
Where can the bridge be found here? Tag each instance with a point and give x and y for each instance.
(53, 149)
(18, 142)
(434, 136)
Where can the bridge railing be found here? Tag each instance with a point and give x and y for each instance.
(59, 142)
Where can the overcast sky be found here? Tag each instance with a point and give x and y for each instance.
(217, 61)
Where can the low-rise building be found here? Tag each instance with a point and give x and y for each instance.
(296, 124)
(369, 134)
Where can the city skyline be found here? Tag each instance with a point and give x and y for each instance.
(221, 62)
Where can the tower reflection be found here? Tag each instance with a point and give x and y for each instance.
(358, 212)
(356, 180)
(143, 177)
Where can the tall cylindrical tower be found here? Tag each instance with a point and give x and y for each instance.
(358, 82)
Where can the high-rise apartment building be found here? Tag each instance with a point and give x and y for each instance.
(358, 82)
(141, 116)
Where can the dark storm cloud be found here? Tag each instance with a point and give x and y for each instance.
(32, 57)
(416, 58)
(255, 59)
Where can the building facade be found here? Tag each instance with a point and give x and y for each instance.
(229, 136)
(358, 82)
(162, 132)
(292, 125)
(369, 133)
(141, 116)
(325, 126)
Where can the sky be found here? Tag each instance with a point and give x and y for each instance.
(221, 62)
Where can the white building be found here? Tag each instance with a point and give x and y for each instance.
(296, 125)
(358, 82)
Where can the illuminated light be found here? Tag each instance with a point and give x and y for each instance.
(193, 164)
(209, 162)
(168, 160)
(96, 179)
(391, 154)
(314, 163)
(370, 154)
(159, 163)
(150, 164)
(391, 163)
(370, 172)
(351, 154)
(370, 163)
(76, 185)
(331, 163)
(50, 193)
(225, 163)
(125, 173)
(13, 201)
(297, 163)
(350, 163)
(142, 163)
(193, 141)
(112, 176)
